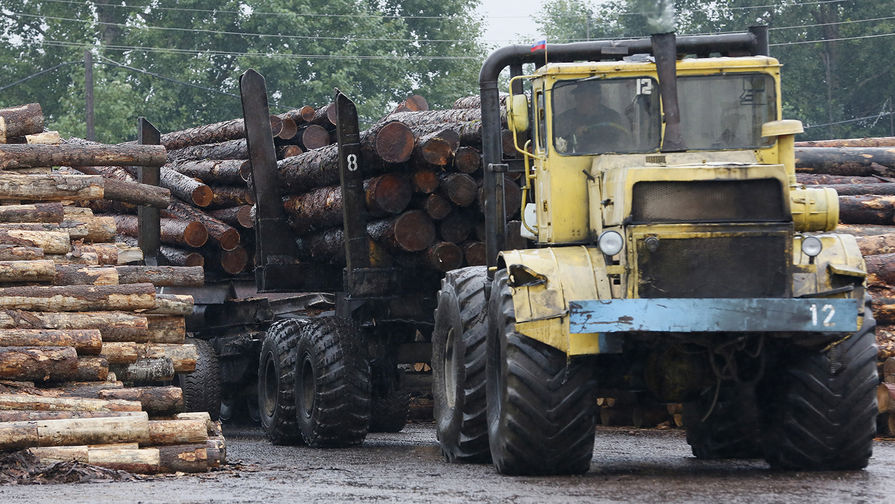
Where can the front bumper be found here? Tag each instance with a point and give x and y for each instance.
(714, 315)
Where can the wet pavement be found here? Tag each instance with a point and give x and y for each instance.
(630, 465)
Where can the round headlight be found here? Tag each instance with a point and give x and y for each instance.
(811, 246)
(611, 242)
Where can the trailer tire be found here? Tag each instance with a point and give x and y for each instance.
(732, 428)
(276, 382)
(459, 346)
(390, 405)
(332, 384)
(202, 388)
(541, 406)
(821, 407)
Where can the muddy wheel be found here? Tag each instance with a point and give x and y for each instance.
(541, 407)
(730, 431)
(202, 387)
(390, 404)
(276, 382)
(458, 366)
(821, 407)
(332, 384)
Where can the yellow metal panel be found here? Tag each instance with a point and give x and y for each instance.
(840, 256)
(576, 272)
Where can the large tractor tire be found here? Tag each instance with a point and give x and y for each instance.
(459, 353)
(731, 429)
(541, 407)
(202, 387)
(821, 406)
(390, 404)
(332, 384)
(276, 381)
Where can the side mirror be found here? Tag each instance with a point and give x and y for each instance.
(517, 113)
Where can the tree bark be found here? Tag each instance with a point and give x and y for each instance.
(229, 196)
(84, 341)
(49, 187)
(884, 310)
(211, 133)
(92, 368)
(113, 326)
(31, 416)
(79, 297)
(154, 400)
(27, 271)
(20, 121)
(26, 156)
(867, 209)
(218, 171)
(880, 268)
(146, 371)
(137, 194)
(75, 230)
(233, 149)
(28, 402)
(823, 179)
(182, 356)
(51, 242)
(129, 429)
(237, 216)
(876, 244)
(850, 142)
(172, 304)
(162, 276)
(75, 274)
(121, 352)
(186, 233)
(18, 253)
(858, 161)
(100, 229)
(38, 363)
(36, 212)
(226, 236)
(172, 432)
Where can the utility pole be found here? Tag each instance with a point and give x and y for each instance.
(88, 92)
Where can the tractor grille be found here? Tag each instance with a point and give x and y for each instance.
(709, 201)
(716, 264)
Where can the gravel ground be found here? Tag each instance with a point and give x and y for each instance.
(629, 465)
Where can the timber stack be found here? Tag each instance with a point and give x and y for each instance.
(87, 346)
(862, 170)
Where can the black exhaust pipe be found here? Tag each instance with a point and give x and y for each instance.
(665, 51)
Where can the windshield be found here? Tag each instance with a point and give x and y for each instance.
(726, 111)
(608, 115)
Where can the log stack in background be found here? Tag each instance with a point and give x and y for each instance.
(87, 347)
(862, 171)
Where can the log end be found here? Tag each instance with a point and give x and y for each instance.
(229, 239)
(394, 142)
(195, 234)
(414, 231)
(202, 196)
(389, 193)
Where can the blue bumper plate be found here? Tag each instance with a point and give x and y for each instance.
(714, 315)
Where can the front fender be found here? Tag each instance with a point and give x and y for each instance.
(543, 281)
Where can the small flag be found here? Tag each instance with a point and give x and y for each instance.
(541, 44)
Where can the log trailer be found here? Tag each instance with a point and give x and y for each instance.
(674, 255)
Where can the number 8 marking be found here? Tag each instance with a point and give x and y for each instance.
(352, 162)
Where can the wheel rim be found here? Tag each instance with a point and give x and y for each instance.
(307, 387)
(269, 401)
(450, 371)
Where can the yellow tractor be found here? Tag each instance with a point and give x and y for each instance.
(673, 255)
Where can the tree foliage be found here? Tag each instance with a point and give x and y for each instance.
(177, 62)
(835, 77)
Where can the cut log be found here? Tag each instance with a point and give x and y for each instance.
(172, 432)
(850, 142)
(79, 297)
(237, 216)
(84, 341)
(445, 256)
(325, 115)
(133, 460)
(146, 371)
(287, 151)
(880, 268)
(109, 253)
(460, 188)
(37, 212)
(313, 136)
(411, 231)
(867, 209)
(28, 402)
(436, 206)
(230, 196)
(288, 130)
(154, 400)
(218, 171)
(190, 458)
(433, 150)
(100, 229)
(823, 179)
(424, 181)
(51, 242)
(120, 352)
(212, 427)
(856, 189)
(20, 121)
(137, 194)
(456, 227)
(78, 431)
(45, 137)
(42, 270)
(38, 363)
(211, 133)
(876, 244)
(92, 368)
(233, 149)
(19, 253)
(31, 416)
(113, 325)
(75, 230)
(884, 310)
(162, 276)
(885, 397)
(25, 156)
(182, 356)
(225, 235)
(300, 115)
(857, 161)
(172, 304)
(474, 253)
(231, 262)
(467, 159)
(186, 188)
(187, 233)
(76, 274)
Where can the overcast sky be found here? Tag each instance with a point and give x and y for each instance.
(505, 19)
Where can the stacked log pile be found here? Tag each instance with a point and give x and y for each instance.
(863, 173)
(87, 346)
